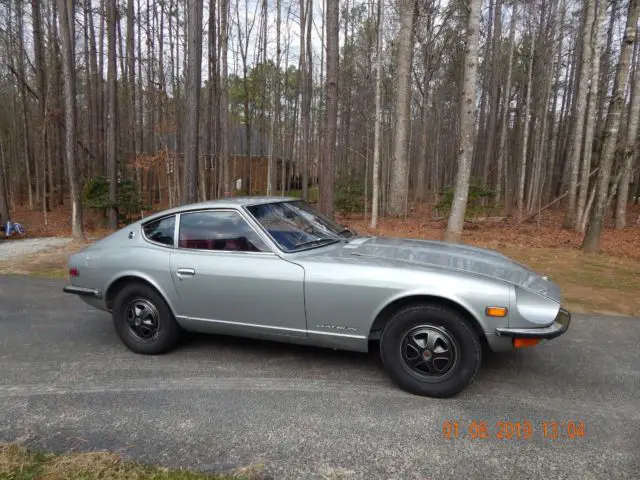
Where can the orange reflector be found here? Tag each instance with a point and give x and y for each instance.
(496, 311)
(525, 342)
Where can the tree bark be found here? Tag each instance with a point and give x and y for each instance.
(592, 113)
(525, 128)
(4, 207)
(399, 188)
(112, 139)
(591, 241)
(194, 62)
(631, 147)
(580, 113)
(331, 92)
(224, 96)
(506, 97)
(377, 141)
(67, 34)
(467, 117)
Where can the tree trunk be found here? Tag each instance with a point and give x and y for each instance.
(327, 173)
(506, 97)
(224, 96)
(494, 98)
(399, 174)
(42, 91)
(306, 97)
(525, 128)
(377, 141)
(631, 147)
(591, 242)
(67, 34)
(131, 81)
(112, 159)
(4, 208)
(592, 114)
(466, 132)
(194, 62)
(580, 113)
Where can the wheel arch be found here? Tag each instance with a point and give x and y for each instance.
(386, 313)
(120, 282)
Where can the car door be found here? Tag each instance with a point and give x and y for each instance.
(229, 280)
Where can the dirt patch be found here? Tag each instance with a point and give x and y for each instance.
(43, 257)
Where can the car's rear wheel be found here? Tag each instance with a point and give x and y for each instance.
(143, 320)
(430, 350)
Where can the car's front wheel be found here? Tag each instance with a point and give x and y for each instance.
(143, 320)
(430, 350)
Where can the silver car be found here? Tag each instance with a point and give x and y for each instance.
(273, 268)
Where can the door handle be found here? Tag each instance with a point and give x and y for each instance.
(185, 272)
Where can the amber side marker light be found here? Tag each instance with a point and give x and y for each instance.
(496, 311)
(525, 342)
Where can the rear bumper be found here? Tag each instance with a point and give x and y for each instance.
(559, 326)
(85, 292)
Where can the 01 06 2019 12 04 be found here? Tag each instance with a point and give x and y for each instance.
(513, 429)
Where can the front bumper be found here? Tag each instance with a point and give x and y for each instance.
(86, 292)
(559, 326)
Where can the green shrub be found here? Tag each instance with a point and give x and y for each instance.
(349, 196)
(478, 201)
(128, 203)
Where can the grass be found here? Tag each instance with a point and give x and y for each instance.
(18, 463)
(590, 283)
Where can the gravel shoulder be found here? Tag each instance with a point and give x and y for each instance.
(15, 248)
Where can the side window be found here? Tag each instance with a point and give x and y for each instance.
(161, 231)
(221, 230)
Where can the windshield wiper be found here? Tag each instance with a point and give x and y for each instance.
(317, 240)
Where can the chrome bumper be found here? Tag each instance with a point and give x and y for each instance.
(559, 326)
(86, 292)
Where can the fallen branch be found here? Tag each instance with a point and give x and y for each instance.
(550, 204)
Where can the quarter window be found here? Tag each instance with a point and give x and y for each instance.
(161, 231)
(219, 230)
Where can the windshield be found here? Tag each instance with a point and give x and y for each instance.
(297, 226)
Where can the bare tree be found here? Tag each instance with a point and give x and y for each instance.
(467, 118)
(505, 109)
(591, 241)
(399, 188)
(581, 112)
(375, 206)
(67, 36)
(224, 96)
(4, 208)
(527, 121)
(194, 81)
(328, 164)
(591, 116)
(112, 139)
(631, 146)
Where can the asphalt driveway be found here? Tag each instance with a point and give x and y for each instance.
(216, 403)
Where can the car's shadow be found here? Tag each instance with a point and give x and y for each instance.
(266, 351)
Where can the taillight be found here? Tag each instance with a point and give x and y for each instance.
(73, 272)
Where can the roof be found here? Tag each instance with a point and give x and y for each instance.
(229, 202)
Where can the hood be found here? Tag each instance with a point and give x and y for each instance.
(479, 261)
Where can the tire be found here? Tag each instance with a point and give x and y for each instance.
(143, 320)
(430, 350)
